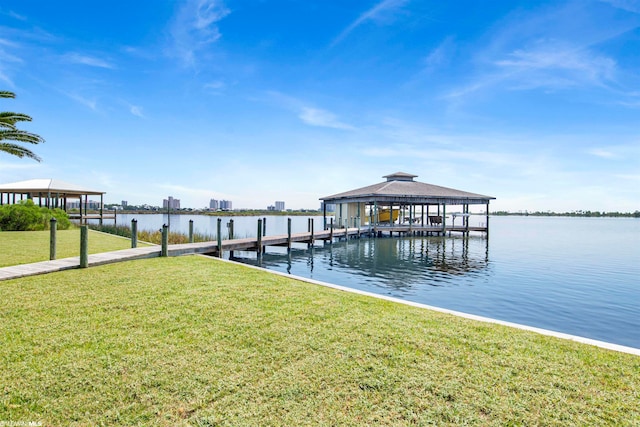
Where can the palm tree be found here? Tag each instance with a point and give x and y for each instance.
(9, 132)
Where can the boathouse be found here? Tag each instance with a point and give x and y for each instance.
(53, 193)
(402, 204)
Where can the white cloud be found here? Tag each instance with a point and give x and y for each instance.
(554, 64)
(91, 103)
(628, 5)
(605, 154)
(378, 13)
(194, 28)
(322, 118)
(136, 110)
(91, 61)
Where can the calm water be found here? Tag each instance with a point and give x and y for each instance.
(575, 275)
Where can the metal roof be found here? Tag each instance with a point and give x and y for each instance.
(400, 187)
(51, 186)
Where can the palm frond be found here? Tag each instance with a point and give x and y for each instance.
(17, 150)
(9, 119)
(7, 94)
(20, 136)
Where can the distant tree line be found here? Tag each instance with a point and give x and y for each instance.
(589, 214)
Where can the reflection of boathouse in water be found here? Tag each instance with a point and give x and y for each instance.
(403, 205)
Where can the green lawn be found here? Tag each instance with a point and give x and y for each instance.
(195, 341)
(23, 247)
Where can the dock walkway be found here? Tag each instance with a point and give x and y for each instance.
(251, 243)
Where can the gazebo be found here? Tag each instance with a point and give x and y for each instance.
(51, 193)
(402, 204)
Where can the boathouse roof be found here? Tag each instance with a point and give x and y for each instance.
(400, 187)
(46, 186)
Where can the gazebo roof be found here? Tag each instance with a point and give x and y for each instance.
(51, 186)
(400, 187)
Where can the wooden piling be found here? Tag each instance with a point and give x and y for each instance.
(84, 246)
(289, 234)
(53, 227)
(259, 243)
(219, 237)
(164, 250)
(190, 231)
(134, 233)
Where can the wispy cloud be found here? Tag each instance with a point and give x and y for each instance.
(136, 111)
(378, 13)
(310, 115)
(440, 55)
(90, 103)
(598, 152)
(547, 48)
(322, 118)
(557, 64)
(92, 61)
(628, 5)
(194, 28)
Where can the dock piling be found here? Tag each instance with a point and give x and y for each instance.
(289, 234)
(134, 233)
(53, 227)
(164, 250)
(259, 243)
(84, 246)
(219, 237)
(190, 231)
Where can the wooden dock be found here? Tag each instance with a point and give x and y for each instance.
(211, 248)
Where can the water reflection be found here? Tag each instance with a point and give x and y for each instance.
(396, 264)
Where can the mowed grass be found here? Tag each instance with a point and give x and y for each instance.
(23, 247)
(196, 341)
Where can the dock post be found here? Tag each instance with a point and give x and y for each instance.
(164, 250)
(311, 229)
(219, 237)
(53, 227)
(230, 229)
(288, 234)
(190, 231)
(331, 231)
(264, 226)
(259, 242)
(134, 233)
(84, 246)
(487, 220)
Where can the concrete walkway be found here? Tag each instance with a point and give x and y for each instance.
(43, 267)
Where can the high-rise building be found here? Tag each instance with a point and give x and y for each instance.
(171, 203)
(214, 204)
(279, 206)
(124, 204)
(226, 205)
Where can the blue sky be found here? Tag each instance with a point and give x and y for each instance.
(536, 103)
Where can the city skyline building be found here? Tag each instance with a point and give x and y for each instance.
(171, 203)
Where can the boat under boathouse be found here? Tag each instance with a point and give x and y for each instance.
(403, 205)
